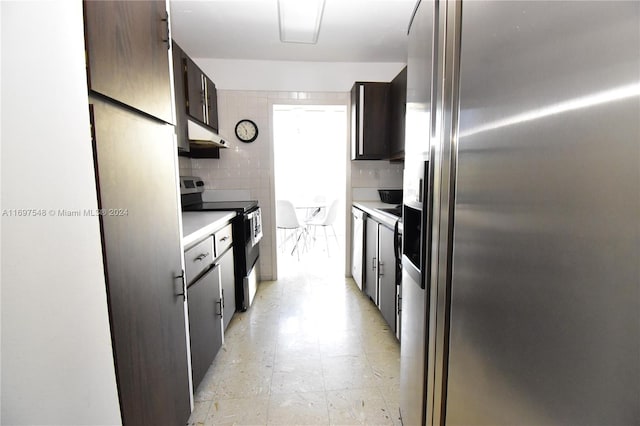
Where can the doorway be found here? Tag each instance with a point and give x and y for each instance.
(310, 148)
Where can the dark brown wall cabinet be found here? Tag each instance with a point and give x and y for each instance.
(397, 115)
(130, 105)
(127, 54)
(202, 98)
(369, 119)
(196, 99)
(179, 89)
(377, 119)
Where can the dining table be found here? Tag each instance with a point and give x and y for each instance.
(309, 208)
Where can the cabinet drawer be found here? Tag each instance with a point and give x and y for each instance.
(223, 239)
(198, 258)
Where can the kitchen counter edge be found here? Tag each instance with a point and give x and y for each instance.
(372, 208)
(199, 224)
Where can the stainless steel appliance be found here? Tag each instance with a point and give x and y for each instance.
(416, 215)
(247, 229)
(521, 295)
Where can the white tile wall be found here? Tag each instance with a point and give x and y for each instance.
(184, 166)
(250, 166)
(374, 175)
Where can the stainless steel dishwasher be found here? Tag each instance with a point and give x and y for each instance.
(357, 246)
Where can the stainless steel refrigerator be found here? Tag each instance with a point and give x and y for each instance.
(521, 279)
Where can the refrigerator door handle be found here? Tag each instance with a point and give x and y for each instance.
(428, 233)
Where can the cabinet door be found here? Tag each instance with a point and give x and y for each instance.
(141, 246)
(212, 104)
(398, 105)
(128, 58)
(387, 276)
(228, 279)
(180, 98)
(369, 115)
(195, 91)
(371, 260)
(205, 322)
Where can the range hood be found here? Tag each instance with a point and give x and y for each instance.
(200, 135)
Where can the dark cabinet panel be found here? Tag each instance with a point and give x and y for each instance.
(201, 95)
(141, 247)
(195, 100)
(180, 96)
(205, 322)
(386, 276)
(127, 54)
(212, 103)
(228, 278)
(398, 108)
(371, 260)
(369, 121)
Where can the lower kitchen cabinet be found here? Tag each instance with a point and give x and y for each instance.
(387, 275)
(228, 286)
(379, 264)
(371, 259)
(205, 322)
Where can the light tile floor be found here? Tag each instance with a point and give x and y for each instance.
(312, 350)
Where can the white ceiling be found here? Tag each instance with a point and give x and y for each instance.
(351, 31)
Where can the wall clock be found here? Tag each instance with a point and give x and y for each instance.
(246, 130)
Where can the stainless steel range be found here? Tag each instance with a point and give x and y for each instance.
(247, 230)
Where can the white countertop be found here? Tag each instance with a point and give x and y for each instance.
(372, 209)
(197, 225)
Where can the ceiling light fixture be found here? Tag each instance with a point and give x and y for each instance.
(299, 20)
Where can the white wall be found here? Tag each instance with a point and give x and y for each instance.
(281, 76)
(57, 362)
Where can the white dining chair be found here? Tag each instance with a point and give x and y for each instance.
(287, 219)
(325, 221)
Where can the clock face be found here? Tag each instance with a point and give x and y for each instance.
(246, 130)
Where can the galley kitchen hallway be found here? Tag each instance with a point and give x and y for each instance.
(311, 350)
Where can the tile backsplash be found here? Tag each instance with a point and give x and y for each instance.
(369, 176)
(247, 168)
(184, 166)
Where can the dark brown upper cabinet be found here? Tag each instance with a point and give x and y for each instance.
(196, 100)
(127, 44)
(369, 121)
(179, 89)
(201, 95)
(397, 112)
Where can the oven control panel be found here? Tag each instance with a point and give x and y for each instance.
(191, 185)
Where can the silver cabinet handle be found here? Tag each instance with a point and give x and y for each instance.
(201, 257)
(380, 269)
(374, 264)
(183, 286)
(361, 121)
(224, 238)
(219, 303)
(203, 86)
(167, 37)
